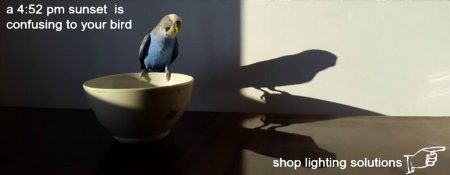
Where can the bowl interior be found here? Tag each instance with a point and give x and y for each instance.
(131, 81)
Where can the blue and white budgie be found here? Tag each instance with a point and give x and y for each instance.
(159, 48)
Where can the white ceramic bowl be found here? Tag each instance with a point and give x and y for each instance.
(135, 111)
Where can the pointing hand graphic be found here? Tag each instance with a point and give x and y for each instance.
(423, 158)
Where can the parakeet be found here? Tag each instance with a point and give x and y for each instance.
(159, 48)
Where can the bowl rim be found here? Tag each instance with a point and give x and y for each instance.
(189, 81)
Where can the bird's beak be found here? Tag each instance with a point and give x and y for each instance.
(177, 26)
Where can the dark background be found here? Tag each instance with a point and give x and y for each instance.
(45, 68)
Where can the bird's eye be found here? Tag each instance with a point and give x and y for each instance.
(167, 29)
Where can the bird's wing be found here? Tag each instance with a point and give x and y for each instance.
(175, 51)
(143, 49)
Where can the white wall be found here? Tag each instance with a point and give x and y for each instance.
(323, 57)
(392, 57)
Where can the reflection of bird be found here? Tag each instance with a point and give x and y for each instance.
(159, 48)
(276, 144)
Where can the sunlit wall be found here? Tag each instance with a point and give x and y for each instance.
(392, 57)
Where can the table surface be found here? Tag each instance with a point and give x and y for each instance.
(67, 141)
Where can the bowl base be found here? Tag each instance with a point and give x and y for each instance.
(142, 140)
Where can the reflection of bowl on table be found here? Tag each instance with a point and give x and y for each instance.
(136, 111)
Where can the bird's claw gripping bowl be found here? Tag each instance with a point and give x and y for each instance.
(136, 111)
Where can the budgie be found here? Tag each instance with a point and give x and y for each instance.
(159, 48)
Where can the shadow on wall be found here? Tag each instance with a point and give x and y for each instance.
(286, 70)
(289, 70)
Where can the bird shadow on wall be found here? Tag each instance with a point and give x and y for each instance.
(294, 69)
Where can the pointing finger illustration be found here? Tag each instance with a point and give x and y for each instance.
(423, 158)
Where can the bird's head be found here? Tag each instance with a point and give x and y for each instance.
(170, 25)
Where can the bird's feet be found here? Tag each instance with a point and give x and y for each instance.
(144, 76)
(168, 74)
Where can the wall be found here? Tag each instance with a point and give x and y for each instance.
(325, 57)
(391, 57)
